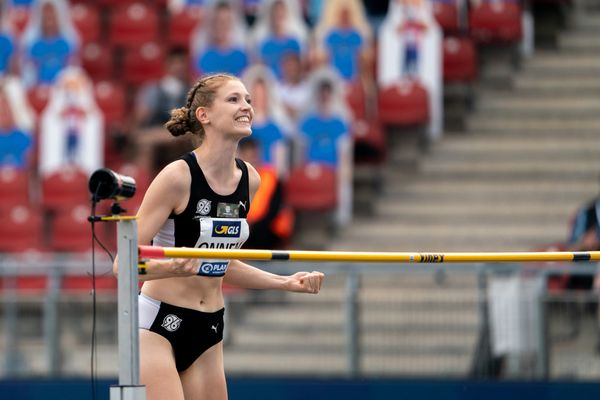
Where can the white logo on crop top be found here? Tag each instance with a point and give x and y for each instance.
(203, 207)
(171, 322)
(215, 268)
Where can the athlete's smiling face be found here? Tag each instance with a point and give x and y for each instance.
(231, 111)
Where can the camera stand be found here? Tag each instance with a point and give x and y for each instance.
(107, 184)
(129, 387)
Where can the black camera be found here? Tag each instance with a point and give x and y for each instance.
(107, 184)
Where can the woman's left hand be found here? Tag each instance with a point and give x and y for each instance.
(305, 282)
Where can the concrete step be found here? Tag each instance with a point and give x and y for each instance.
(424, 339)
(566, 106)
(556, 60)
(483, 187)
(427, 242)
(426, 365)
(378, 364)
(389, 206)
(535, 114)
(465, 232)
(515, 220)
(520, 166)
(532, 125)
(401, 298)
(527, 96)
(588, 19)
(508, 154)
(272, 318)
(460, 144)
(257, 363)
(579, 41)
(560, 177)
(370, 340)
(375, 285)
(562, 84)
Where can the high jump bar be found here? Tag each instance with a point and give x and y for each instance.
(404, 257)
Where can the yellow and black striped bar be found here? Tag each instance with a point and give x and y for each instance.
(404, 257)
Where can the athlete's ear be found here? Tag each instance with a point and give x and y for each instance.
(202, 116)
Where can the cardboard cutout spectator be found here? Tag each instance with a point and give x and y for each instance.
(72, 126)
(219, 44)
(280, 29)
(49, 43)
(293, 87)
(410, 48)
(270, 127)
(344, 37)
(16, 124)
(324, 134)
(7, 43)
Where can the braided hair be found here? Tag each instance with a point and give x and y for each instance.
(183, 120)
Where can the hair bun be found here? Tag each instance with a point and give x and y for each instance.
(179, 123)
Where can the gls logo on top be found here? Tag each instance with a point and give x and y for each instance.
(226, 229)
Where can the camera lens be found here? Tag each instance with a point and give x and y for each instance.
(107, 184)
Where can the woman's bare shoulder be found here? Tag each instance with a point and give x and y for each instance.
(253, 178)
(174, 176)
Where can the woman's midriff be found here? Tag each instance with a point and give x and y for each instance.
(195, 292)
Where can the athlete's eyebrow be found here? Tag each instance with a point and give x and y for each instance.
(239, 94)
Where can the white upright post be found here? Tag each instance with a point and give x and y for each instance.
(129, 387)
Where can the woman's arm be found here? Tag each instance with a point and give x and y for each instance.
(168, 192)
(246, 276)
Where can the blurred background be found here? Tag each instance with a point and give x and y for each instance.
(400, 125)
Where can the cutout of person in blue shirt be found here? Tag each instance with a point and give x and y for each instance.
(326, 124)
(344, 37)
(280, 30)
(219, 44)
(7, 50)
(50, 42)
(16, 124)
(271, 127)
(324, 131)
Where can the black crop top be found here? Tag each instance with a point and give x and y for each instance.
(209, 220)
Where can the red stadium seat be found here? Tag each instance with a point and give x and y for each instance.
(180, 27)
(403, 104)
(133, 24)
(460, 59)
(496, 21)
(38, 97)
(446, 15)
(97, 61)
(86, 19)
(20, 229)
(369, 142)
(356, 98)
(312, 187)
(111, 99)
(74, 284)
(115, 3)
(71, 231)
(65, 189)
(143, 64)
(14, 187)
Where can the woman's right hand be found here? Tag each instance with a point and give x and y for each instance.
(185, 266)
